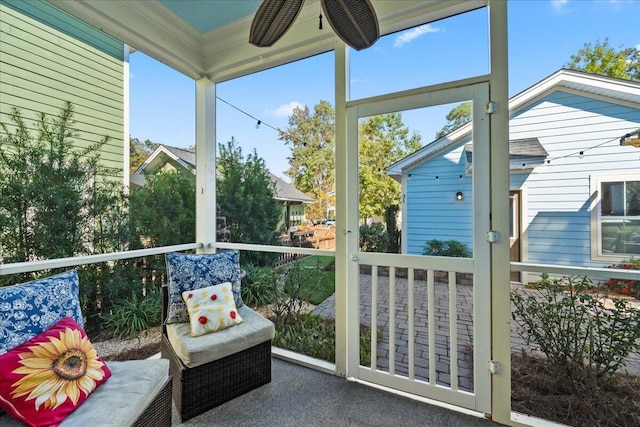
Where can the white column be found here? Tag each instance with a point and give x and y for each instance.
(205, 163)
(126, 160)
(341, 96)
(499, 200)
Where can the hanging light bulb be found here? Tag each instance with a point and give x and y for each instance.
(581, 155)
(258, 124)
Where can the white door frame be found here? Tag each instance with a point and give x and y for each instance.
(477, 90)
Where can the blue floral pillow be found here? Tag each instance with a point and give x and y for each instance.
(186, 272)
(30, 308)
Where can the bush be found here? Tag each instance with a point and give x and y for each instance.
(374, 238)
(259, 285)
(450, 248)
(625, 287)
(584, 341)
(393, 233)
(294, 282)
(134, 314)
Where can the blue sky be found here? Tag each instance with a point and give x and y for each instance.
(543, 34)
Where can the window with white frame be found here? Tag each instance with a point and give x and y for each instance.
(618, 216)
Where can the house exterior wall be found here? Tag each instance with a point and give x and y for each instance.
(47, 57)
(556, 212)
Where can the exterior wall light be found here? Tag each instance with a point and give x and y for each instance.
(459, 195)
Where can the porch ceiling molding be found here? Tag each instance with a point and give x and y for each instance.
(225, 53)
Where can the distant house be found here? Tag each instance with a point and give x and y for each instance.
(48, 57)
(574, 181)
(184, 161)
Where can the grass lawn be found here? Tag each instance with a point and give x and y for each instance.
(326, 288)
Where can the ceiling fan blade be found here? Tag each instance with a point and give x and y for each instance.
(354, 21)
(272, 20)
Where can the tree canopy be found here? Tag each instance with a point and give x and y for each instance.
(602, 58)
(139, 152)
(457, 117)
(245, 193)
(383, 140)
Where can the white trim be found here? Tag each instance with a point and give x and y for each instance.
(126, 160)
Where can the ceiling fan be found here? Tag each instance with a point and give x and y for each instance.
(354, 21)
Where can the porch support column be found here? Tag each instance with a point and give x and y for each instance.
(341, 208)
(205, 163)
(499, 202)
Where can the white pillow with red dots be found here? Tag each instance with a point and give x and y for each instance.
(211, 309)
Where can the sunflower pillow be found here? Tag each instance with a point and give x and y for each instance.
(45, 379)
(211, 309)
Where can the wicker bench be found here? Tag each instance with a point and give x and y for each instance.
(212, 369)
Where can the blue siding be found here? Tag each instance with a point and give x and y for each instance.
(556, 218)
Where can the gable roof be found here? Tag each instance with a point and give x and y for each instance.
(609, 88)
(284, 191)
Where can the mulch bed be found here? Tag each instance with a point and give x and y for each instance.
(536, 391)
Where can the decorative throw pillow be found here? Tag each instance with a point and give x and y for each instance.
(30, 308)
(186, 272)
(211, 309)
(46, 378)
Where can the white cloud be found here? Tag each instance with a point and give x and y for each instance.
(560, 6)
(414, 33)
(285, 110)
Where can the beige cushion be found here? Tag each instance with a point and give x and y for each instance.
(196, 351)
(121, 399)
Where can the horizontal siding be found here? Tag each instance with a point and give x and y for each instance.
(557, 223)
(47, 58)
(558, 219)
(430, 200)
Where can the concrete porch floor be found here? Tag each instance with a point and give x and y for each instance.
(299, 396)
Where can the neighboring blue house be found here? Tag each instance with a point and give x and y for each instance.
(575, 175)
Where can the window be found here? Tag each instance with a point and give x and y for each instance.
(619, 216)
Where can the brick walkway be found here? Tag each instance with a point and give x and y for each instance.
(464, 315)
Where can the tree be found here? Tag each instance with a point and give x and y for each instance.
(312, 165)
(602, 58)
(56, 199)
(139, 152)
(245, 193)
(383, 140)
(163, 211)
(457, 117)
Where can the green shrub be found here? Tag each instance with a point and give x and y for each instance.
(450, 248)
(295, 281)
(259, 285)
(625, 287)
(374, 238)
(315, 336)
(393, 233)
(132, 315)
(585, 342)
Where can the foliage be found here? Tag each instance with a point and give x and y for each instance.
(326, 283)
(383, 140)
(625, 287)
(245, 193)
(312, 163)
(258, 286)
(132, 315)
(450, 248)
(56, 199)
(374, 238)
(295, 280)
(585, 342)
(139, 152)
(602, 58)
(163, 211)
(394, 233)
(457, 117)
(306, 333)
